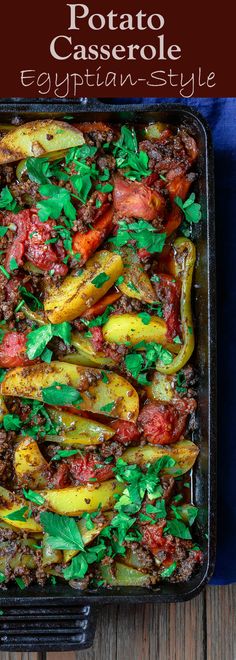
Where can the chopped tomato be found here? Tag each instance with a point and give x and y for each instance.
(168, 293)
(30, 242)
(153, 538)
(136, 200)
(13, 350)
(83, 468)
(86, 244)
(126, 432)
(61, 478)
(162, 423)
(143, 254)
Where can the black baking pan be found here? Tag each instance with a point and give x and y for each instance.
(59, 617)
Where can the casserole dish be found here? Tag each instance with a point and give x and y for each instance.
(49, 606)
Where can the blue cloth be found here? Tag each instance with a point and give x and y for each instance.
(221, 116)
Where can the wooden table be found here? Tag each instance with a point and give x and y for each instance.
(202, 629)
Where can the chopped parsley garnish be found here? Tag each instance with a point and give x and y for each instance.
(108, 407)
(181, 383)
(99, 280)
(3, 231)
(64, 453)
(63, 532)
(192, 211)
(169, 570)
(13, 265)
(4, 271)
(58, 201)
(145, 317)
(11, 422)
(19, 514)
(32, 496)
(2, 577)
(7, 201)
(38, 339)
(142, 232)
(20, 583)
(119, 280)
(177, 528)
(134, 162)
(61, 395)
(99, 320)
(104, 377)
(138, 364)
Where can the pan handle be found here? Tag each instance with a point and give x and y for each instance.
(50, 628)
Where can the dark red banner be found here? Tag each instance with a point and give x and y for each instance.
(67, 50)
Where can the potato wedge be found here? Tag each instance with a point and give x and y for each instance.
(161, 387)
(77, 430)
(136, 283)
(125, 576)
(119, 398)
(184, 452)
(30, 466)
(37, 138)
(85, 353)
(155, 130)
(122, 328)
(10, 503)
(78, 292)
(74, 500)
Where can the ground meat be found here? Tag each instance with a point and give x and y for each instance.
(168, 485)
(6, 461)
(24, 190)
(127, 305)
(187, 567)
(106, 162)
(168, 153)
(7, 175)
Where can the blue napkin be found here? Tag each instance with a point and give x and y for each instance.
(221, 116)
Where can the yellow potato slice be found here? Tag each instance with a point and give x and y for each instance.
(184, 452)
(37, 138)
(30, 466)
(74, 500)
(161, 387)
(10, 503)
(78, 292)
(122, 328)
(118, 394)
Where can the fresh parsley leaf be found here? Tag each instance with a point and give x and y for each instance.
(3, 231)
(77, 569)
(187, 513)
(32, 496)
(7, 201)
(30, 299)
(18, 515)
(46, 355)
(108, 407)
(142, 232)
(13, 265)
(20, 583)
(4, 271)
(104, 188)
(38, 169)
(38, 339)
(119, 280)
(105, 379)
(99, 320)
(12, 422)
(63, 532)
(61, 395)
(64, 453)
(58, 201)
(178, 529)
(2, 577)
(83, 185)
(145, 317)
(2, 374)
(169, 570)
(190, 208)
(99, 280)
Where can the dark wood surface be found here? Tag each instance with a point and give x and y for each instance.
(202, 629)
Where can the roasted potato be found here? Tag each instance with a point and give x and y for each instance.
(78, 292)
(31, 468)
(184, 452)
(74, 500)
(10, 503)
(122, 328)
(37, 138)
(118, 397)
